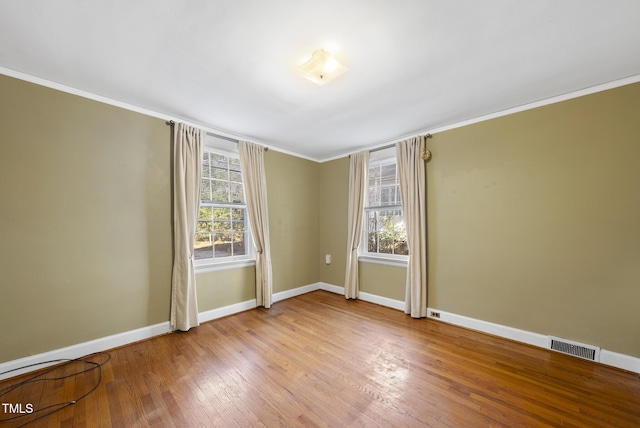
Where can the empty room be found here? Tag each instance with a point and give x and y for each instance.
(357, 213)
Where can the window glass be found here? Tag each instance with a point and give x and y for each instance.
(385, 230)
(222, 231)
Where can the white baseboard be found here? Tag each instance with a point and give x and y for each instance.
(81, 349)
(383, 301)
(287, 294)
(226, 310)
(621, 361)
(332, 288)
(518, 335)
(366, 297)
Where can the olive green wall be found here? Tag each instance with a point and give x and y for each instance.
(292, 189)
(332, 220)
(534, 220)
(383, 280)
(85, 226)
(225, 287)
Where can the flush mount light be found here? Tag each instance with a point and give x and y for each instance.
(321, 68)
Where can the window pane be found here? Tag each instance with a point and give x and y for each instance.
(372, 220)
(374, 196)
(372, 242)
(203, 227)
(222, 249)
(219, 167)
(388, 195)
(237, 214)
(220, 191)
(222, 245)
(395, 230)
(237, 193)
(206, 213)
(234, 164)
(203, 246)
(386, 243)
(239, 244)
(222, 219)
(205, 165)
(221, 226)
(221, 214)
(386, 232)
(374, 175)
(235, 175)
(205, 190)
(388, 174)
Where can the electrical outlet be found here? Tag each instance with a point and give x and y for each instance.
(435, 314)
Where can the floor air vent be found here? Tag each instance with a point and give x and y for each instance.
(576, 349)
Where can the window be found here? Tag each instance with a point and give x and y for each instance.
(222, 232)
(385, 232)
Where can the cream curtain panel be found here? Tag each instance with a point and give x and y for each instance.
(255, 188)
(187, 170)
(358, 171)
(411, 173)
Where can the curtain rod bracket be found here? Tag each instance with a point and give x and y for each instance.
(426, 155)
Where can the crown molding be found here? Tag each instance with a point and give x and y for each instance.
(106, 100)
(547, 101)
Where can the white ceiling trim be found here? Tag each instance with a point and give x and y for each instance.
(568, 96)
(74, 91)
(110, 101)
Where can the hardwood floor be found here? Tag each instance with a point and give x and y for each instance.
(320, 360)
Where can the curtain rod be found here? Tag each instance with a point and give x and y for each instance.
(388, 146)
(233, 140)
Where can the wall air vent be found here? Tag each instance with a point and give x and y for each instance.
(576, 349)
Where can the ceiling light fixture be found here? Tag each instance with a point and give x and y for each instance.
(321, 68)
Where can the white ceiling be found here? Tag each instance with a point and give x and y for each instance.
(414, 65)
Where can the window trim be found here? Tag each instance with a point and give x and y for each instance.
(229, 149)
(399, 260)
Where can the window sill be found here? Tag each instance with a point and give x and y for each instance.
(397, 261)
(232, 264)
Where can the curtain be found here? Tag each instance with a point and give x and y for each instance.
(187, 171)
(358, 169)
(411, 173)
(255, 188)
